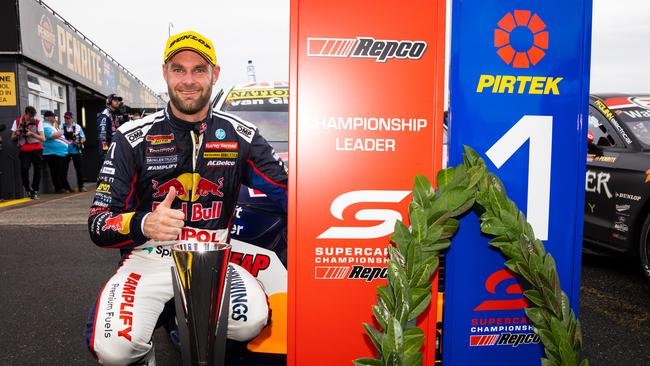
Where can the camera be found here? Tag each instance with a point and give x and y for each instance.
(24, 126)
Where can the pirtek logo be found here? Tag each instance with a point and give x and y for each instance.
(365, 47)
(511, 84)
(521, 39)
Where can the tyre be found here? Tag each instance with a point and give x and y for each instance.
(644, 247)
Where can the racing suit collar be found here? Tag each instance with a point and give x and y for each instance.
(181, 124)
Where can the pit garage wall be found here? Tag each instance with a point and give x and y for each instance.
(10, 181)
(9, 166)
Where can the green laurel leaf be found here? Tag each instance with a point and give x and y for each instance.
(414, 258)
(368, 362)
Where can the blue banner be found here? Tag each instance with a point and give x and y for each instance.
(519, 84)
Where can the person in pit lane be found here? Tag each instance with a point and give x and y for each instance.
(174, 175)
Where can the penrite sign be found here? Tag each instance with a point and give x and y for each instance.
(51, 42)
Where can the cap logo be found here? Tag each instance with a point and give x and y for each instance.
(189, 36)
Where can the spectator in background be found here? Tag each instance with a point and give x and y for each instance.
(76, 137)
(27, 131)
(55, 152)
(108, 122)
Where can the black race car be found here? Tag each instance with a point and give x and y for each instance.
(617, 207)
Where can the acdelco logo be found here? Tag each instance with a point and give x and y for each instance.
(387, 217)
(365, 47)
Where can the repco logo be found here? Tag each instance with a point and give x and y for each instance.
(387, 217)
(365, 47)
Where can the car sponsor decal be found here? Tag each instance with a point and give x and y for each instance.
(620, 226)
(591, 206)
(637, 113)
(598, 182)
(258, 93)
(622, 208)
(628, 102)
(627, 196)
(601, 158)
(610, 116)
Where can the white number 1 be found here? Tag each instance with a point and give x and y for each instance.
(539, 130)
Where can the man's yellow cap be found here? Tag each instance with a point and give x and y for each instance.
(190, 41)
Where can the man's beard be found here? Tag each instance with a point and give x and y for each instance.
(191, 106)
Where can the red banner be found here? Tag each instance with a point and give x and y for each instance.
(366, 108)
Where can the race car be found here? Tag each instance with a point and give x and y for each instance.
(259, 227)
(617, 207)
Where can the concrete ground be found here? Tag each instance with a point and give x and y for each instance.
(51, 274)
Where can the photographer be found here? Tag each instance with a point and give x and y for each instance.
(28, 132)
(76, 139)
(107, 123)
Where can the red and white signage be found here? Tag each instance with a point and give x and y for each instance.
(366, 109)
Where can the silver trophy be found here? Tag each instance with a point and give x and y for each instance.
(202, 297)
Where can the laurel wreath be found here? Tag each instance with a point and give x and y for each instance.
(413, 259)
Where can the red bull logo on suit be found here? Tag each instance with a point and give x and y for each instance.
(120, 223)
(186, 184)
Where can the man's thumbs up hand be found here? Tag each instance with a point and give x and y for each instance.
(164, 223)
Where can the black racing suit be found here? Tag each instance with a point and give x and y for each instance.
(107, 125)
(206, 162)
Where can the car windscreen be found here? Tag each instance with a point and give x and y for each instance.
(641, 130)
(272, 125)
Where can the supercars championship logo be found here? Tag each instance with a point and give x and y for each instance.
(503, 330)
(366, 263)
(365, 47)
